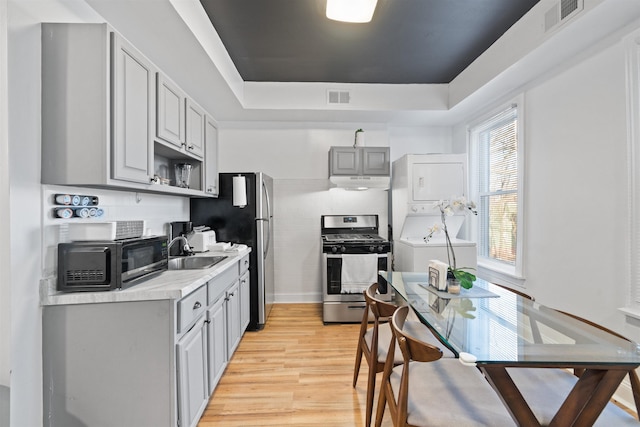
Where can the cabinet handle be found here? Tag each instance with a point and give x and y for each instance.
(231, 294)
(197, 305)
(190, 147)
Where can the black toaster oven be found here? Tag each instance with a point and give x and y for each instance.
(110, 264)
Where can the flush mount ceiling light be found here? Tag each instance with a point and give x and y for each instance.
(358, 11)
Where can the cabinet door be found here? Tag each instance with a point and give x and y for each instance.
(211, 157)
(375, 161)
(245, 305)
(344, 161)
(170, 119)
(133, 106)
(233, 319)
(217, 341)
(194, 137)
(193, 392)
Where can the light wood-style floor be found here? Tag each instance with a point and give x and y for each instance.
(295, 372)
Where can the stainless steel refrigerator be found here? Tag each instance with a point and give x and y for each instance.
(251, 225)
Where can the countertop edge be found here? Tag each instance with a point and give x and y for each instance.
(170, 284)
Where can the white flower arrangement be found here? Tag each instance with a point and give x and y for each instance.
(449, 208)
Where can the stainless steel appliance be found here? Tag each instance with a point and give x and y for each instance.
(251, 225)
(352, 250)
(109, 264)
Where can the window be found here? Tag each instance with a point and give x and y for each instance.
(496, 183)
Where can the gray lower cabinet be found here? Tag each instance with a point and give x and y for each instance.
(217, 341)
(110, 364)
(193, 391)
(245, 300)
(233, 318)
(140, 363)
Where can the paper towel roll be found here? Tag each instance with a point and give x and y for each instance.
(239, 191)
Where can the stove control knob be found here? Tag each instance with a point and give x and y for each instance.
(372, 248)
(380, 249)
(334, 249)
(343, 249)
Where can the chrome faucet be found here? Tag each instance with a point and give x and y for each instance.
(186, 249)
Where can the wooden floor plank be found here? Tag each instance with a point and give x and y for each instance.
(295, 372)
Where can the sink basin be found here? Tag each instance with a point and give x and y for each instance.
(194, 262)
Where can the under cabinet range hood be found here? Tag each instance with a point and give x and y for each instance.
(361, 182)
(360, 168)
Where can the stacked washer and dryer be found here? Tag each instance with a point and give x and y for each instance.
(418, 182)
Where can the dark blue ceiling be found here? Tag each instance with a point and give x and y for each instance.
(408, 41)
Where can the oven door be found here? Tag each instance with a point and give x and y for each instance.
(332, 278)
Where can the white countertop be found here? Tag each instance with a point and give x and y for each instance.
(170, 284)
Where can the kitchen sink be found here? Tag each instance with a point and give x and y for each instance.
(194, 262)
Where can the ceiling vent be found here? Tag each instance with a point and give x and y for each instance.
(561, 12)
(338, 97)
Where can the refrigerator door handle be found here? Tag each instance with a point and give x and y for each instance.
(268, 242)
(267, 219)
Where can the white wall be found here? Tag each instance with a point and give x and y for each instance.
(296, 156)
(575, 188)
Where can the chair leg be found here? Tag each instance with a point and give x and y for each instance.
(371, 385)
(382, 402)
(356, 369)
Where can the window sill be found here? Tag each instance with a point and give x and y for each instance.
(631, 312)
(490, 273)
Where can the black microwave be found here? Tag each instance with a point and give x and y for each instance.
(111, 264)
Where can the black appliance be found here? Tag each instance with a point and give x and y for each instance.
(251, 225)
(110, 264)
(343, 236)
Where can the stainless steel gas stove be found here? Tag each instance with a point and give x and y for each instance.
(352, 254)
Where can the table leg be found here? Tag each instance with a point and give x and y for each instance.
(581, 408)
(588, 398)
(510, 395)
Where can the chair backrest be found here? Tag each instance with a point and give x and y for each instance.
(633, 376)
(381, 309)
(412, 348)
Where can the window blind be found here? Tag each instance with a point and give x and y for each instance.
(497, 181)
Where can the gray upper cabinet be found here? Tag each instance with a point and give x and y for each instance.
(110, 118)
(344, 161)
(171, 114)
(195, 133)
(375, 161)
(180, 120)
(211, 159)
(354, 161)
(133, 118)
(95, 132)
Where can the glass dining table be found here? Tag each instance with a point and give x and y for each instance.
(498, 329)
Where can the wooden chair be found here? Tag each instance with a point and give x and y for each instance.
(373, 342)
(545, 402)
(428, 390)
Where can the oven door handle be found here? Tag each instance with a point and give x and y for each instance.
(383, 255)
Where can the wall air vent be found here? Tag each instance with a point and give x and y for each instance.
(338, 97)
(561, 12)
